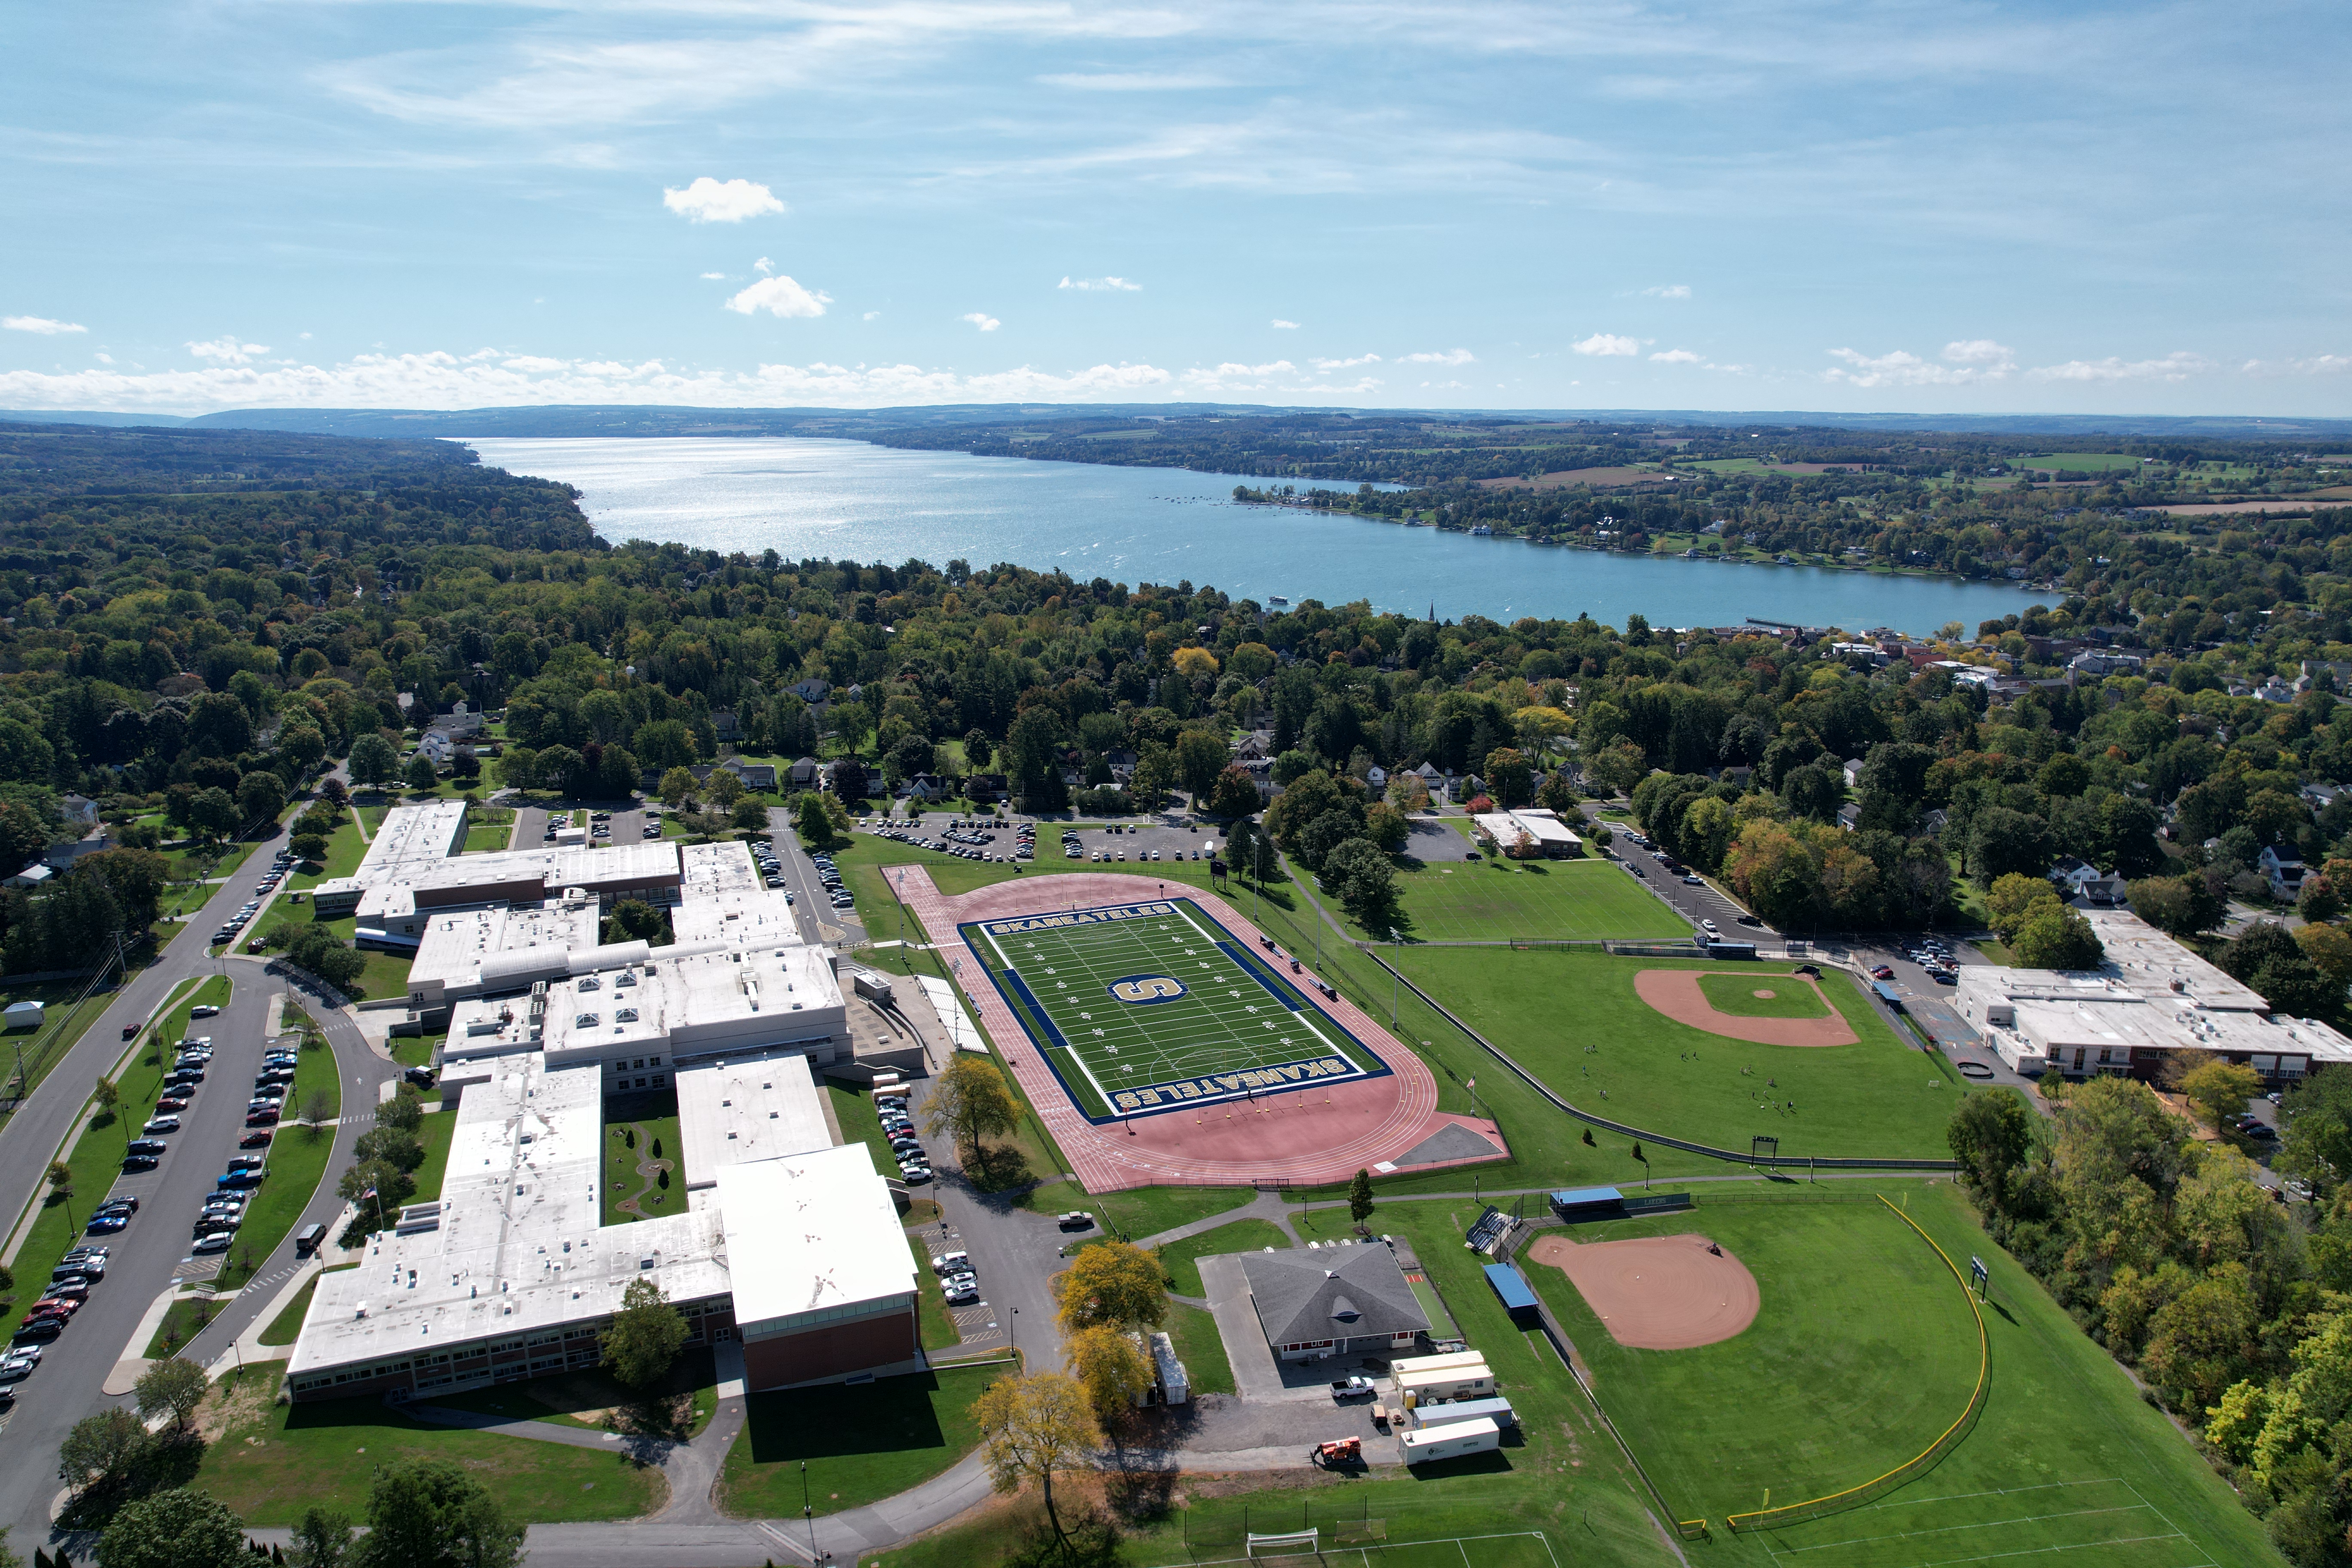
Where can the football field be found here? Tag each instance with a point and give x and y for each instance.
(1148, 1007)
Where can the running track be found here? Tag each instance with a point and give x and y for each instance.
(1313, 1137)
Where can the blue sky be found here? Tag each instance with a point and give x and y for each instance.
(1943, 206)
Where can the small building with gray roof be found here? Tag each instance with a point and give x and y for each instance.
(1336, 1299)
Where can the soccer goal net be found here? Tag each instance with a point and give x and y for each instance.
(1285, 1543)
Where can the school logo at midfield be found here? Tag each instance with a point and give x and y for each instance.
(1145, 989)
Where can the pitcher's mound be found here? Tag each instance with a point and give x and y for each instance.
(1656, 1293)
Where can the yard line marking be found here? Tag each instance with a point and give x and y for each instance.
(1974, 1525)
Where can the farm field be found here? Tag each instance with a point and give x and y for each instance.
(1543, 900)
(1574, 1019)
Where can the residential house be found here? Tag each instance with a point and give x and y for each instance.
(727, 726)
(1853, 772)
(1256, 743)
(2284, 870)
(81, 810)
(1849, 816)
(805, 774)
(755, 775)
(815, 688)
(985, 788)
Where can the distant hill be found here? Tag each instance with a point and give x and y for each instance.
(560, 420)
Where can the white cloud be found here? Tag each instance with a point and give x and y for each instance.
(40, 324)
(1102, 286)
(1981, 351)
(1608, 344)
(1279, 325)
(779, 296)
(1674, 356)
(227, 350)
(103, 358)
(533, 365)
(1668, 291)
(873, 315)
(2320, 364)
(714, 277)
(1450, 356)
(981, 319)
(2178, 365)
(763, 265)
(1130, 81)
(1344, 363)
(720, 201)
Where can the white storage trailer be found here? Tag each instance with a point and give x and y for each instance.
(1479, 1436)
(1497, 1410)
(24, 1014)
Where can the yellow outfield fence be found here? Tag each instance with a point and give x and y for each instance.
(1950, 1437)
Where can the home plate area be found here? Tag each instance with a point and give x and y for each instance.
(1162, 1039)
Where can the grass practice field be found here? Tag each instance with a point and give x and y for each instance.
(1545, 900)
(1735, 994)
(1574, 1020)
(1147, 1008)
(1864, 1351)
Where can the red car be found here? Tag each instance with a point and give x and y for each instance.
(129, 1030)
(1881, 972)
(258, 1138)
(261, 1119)
(57, 1307)
(170, 1102)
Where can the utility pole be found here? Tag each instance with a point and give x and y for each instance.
(1395, 977)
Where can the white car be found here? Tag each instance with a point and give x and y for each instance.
(204, 1010)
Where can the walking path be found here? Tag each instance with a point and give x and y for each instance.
(1271, 1207)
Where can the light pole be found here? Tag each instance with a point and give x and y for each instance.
(808, 1511)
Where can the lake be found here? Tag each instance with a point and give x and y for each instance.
(853, 499)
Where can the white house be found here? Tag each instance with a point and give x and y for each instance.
(2284, 870)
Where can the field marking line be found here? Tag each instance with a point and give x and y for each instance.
(1993, 1491)
(1977, 1524)
(2158, 1512)
(2038, 1550)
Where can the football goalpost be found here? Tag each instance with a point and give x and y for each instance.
(1286, 1543)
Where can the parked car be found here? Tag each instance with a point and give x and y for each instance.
(204, 1010)
(39, 1333)
(421, 1077)
(963, 1298)
(218, 1241)
(947, 1263)
(133, 1162)
(1350, 1387)
(161, 1124)
(1076, 1219)
(258, 1138)
(107, 1223)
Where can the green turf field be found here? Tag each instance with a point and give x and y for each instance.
(1572, 1018)
(1141, 1007)
(1735, 994)
(1546, 900)
(1863, 1352)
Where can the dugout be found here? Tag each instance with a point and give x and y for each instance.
(1731, 950)
(1576, 1204)
(1511, 1288)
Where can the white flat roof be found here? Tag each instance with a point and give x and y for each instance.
(2150, 962)
(735, 1110)
(519, 1245)
(813, 1249)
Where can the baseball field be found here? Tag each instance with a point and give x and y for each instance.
(1864, 1351)
(1576, 1020)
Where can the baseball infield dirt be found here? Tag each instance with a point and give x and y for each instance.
(1656, 1293)
(1676, 994)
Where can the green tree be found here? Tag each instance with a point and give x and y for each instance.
(2056, 937)
(812, 820)
(1509, 776)
(1232, 793)
(213, 813)
(102, 1450)
(1359, 1197)
(173, 1387)
(750, 814)
(2317, 1115)
(420, 773)
(2177, 906)
(373, 759)
(645, 1336)
(2011, 898)
(1359, 876)
(1990, 1133)
(1201, 762)
(260, 796)
(323, 1539)
(174, 1529)
(971, 1103)
(429, 1514)
(677, 785)
(2220, 1087)
(1033, 1428)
